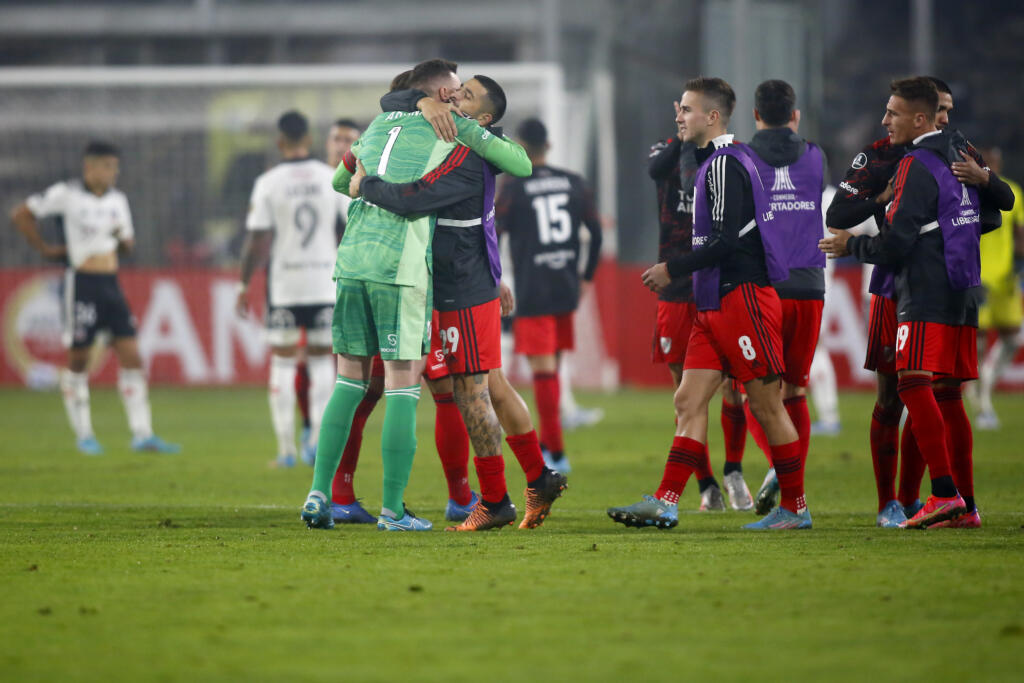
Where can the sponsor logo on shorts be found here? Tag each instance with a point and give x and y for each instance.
(392, 344)
(860, 161)
(666, 344)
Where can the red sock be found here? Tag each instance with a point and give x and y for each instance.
(801, 419)
(341, 487)
(959, 438)
(527, 451)
(302, 391)
(789, 468)
(547, 393)
(885, 436)
(912, 466)
(929, 428)
(491, 472)
(757, 431)
(734, 431)
(452, 443)
(683, 459)
(704, 471)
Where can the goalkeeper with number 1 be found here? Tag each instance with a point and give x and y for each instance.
(384, 299)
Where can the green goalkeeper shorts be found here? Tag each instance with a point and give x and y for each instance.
(373, 317)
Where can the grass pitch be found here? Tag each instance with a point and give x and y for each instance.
(196, 567)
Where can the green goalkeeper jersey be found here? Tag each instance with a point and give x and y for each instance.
(401, 147)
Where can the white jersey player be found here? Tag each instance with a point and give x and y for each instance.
(292, 214)
(97, 225)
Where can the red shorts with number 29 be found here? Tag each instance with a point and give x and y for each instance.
(742, 338)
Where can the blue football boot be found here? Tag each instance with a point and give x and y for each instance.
(353, 513)
(316, 513)
(891, 516)
(89, 446)
(781, 518)
(650, 511)
(408, 522)
(154, 444)
(458, 513)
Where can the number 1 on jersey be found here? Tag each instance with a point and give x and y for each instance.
(382, 165)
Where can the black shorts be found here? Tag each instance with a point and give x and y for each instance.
(284, 324)
(94, 302)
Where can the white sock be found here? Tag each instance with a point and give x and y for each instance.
(567, 402)
(75, 388)
(995, 362)
(135, 397)
(282, 402)
(823, 387)
(323, 371)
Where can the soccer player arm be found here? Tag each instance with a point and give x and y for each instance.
(592, 221)
(256, 248)
(49, 203)
(346, 169)
(726, 208)
(663, 159)
(913, 205)
(452, 181)
(859, 196)
(503, 152)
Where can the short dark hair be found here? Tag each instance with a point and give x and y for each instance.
(424, 73)
(940, 84)
(347, 123)
(101, 148)
(919, 91)
(775, 101)
(293, 125)
(401, 81)
(715, 89)
(533, 133)
(495, 94)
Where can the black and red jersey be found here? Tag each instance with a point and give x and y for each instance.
(542, 216)
(673, 167)
(867, 177)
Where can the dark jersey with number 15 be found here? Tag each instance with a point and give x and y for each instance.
(542, 216)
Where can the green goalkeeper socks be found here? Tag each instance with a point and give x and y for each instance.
(334, 429)
(398, 445)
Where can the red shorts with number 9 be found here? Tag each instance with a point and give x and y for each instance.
(465, 342)
(743, 338)
(950, 350)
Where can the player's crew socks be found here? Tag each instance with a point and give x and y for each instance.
(930, 430)
(885, 434)
(526, 448)
(398, 444)
(959, 439)
(135, 395)
(546, 391)
(452, 441)
(281, 392)
(74, 386)
(800, 416)
(789, 468)
(683, 459)
(302, 391)
(342, 491)
(756, 431)
(322, 371)
(912, 465)
(734, 433)
(334, 429)
(491, 472)
(705, 474)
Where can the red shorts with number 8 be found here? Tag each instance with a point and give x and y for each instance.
(469, 341)
(743, 338)
(950, 350)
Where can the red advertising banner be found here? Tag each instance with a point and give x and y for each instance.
(188, 331)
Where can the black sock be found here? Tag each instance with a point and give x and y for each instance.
(970, 503)
(557, 456)
(731, 467)
(703, 484)
(943, 487)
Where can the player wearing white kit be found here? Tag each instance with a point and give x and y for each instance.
(294, 208)
(97, 225)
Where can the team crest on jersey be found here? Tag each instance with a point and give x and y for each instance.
(783, 182)
(860, 161)
(666, 344)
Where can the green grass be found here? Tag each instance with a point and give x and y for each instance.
(196, 567)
